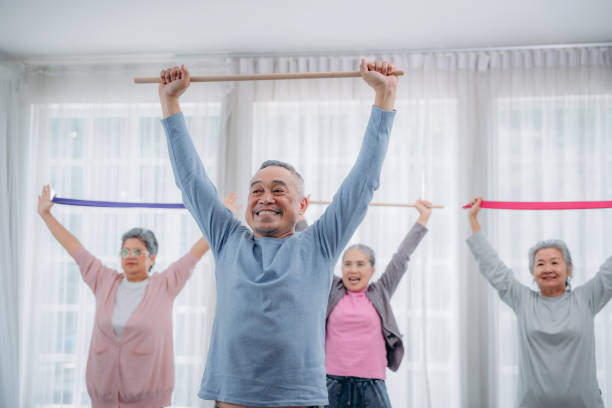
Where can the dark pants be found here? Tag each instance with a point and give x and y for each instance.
(315, 406)
(355, 392)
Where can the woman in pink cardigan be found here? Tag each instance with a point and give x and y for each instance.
(131, 355)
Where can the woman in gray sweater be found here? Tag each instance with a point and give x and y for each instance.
(555, 324)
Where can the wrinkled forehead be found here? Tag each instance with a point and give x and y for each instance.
(275, 175)
(544, 254)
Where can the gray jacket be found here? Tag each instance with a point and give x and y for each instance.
(380, 293)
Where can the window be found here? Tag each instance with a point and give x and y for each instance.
(550, 149)
(115, 152)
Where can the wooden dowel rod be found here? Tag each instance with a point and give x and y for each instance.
(265, 77)
(378, 204)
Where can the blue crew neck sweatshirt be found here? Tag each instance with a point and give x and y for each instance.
(267, 345)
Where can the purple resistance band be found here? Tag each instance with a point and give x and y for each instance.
(89, 203)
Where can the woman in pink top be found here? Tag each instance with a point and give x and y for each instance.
(362, 337)
(131, 355)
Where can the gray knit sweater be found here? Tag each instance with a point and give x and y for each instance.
(556, 335)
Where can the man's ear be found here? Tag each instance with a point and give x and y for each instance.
(304, 201)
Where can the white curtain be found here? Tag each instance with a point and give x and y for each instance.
(463, 128)
(549, 128)
(527, 125)
(318, 126)
(11, 145)
(95, 135)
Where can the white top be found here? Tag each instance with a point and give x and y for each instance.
(129, 295)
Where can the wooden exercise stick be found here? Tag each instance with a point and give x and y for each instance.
(379, 204)
(265, 77)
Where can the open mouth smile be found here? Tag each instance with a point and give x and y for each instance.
(266, 211)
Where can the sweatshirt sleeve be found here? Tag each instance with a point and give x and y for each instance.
(510, 290)
(350, 203)
(399, 262)
(93, 272)
(598, 290)
(199, 194)
(177, 274)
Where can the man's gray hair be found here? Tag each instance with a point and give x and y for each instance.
(146, 236)
(550, 243)
(363, 248)
(278, 163)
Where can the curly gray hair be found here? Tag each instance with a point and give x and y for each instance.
(146, 236)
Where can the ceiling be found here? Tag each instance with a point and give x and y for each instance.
(41, 29)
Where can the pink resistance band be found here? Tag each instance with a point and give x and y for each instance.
(552, 205)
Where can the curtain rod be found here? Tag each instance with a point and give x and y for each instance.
(156, 58)
(403, 51)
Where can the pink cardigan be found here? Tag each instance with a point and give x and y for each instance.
(138, 370)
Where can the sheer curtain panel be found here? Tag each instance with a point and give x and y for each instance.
(95, 135)
(11, 228)
(512, 125)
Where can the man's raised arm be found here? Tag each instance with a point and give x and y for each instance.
(350, 202)
(199, 193)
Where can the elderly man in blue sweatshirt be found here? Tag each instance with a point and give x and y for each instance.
(268, 341)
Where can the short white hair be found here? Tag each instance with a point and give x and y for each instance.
(550, 243)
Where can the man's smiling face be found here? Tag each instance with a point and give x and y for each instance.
(275, 202)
